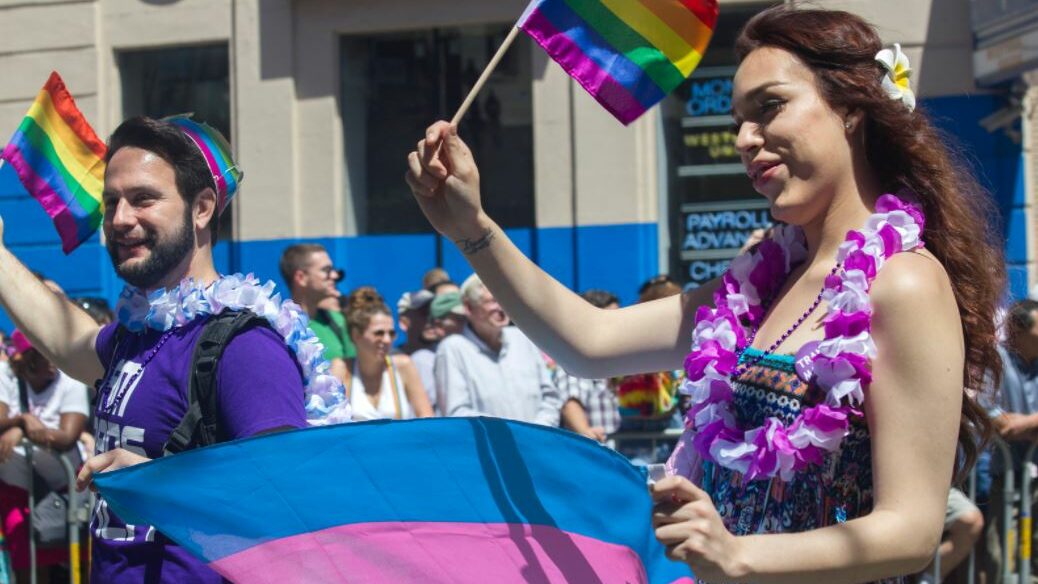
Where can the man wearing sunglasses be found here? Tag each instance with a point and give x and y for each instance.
(307, 269)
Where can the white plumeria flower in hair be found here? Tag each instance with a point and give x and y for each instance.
(895, 82)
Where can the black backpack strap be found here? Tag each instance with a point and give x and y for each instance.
(200, 425)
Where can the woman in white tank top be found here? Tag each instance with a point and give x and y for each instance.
(380, 385)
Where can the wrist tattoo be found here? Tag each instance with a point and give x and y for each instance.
(472, 246)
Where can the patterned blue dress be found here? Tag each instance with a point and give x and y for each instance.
(836, 491)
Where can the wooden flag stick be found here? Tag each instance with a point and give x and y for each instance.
(486, 75)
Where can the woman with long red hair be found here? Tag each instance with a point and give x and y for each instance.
(829, 368)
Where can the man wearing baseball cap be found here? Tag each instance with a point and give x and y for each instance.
(447, 313)
(422, 338)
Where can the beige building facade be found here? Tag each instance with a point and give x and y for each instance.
(310, 149)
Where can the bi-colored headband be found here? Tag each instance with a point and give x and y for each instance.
(217, 153)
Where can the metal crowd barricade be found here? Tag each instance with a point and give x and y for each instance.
(1011, 546)
(76, 516)
(617, 440)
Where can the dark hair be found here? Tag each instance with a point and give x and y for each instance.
(436, 286)
(657, 287)
(362, 304)
(434, 277)
(1020, 317)
(171, 144)
(297, 257)
(906, 151)
(600, 298)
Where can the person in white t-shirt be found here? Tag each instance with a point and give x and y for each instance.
(50, 409)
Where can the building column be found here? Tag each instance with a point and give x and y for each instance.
(263, 119)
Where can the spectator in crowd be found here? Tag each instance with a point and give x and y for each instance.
(650, 402)
(590, 406)
(448, 314)
(492, 369)
(434, 277)
(311, 278)
(1015, 418)
(97, 308)
(445, 287)
(413, 310)
(335, 303)
(963, 526)
(422, 337)
(657, 287)
(50, 409)
(378, 383)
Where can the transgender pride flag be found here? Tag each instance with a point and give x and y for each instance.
(459, 500)
(628, 54)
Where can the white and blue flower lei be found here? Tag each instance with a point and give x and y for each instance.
(162, 310)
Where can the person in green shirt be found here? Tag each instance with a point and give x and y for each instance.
(308, 270)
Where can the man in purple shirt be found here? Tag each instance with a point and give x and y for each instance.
(162, 201)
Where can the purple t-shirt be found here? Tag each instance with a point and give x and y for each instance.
(144, 397)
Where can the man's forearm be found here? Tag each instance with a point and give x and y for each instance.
(59, 330)
(8, 423)
(574, 417)
(59, 440)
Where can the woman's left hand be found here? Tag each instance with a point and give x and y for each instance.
(687, 523)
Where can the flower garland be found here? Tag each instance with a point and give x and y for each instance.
(162, 310)
(839, 364)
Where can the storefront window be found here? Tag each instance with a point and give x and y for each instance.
(395, 85)
(711, 205)
(164, 82)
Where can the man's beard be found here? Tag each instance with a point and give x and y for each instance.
(165, 255)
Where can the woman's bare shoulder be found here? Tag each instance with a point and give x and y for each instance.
(915, 273)
(914, 289)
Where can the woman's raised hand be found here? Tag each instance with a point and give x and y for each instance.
(445, 182)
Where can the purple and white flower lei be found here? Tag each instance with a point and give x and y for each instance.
(839, 364)
(162, 310)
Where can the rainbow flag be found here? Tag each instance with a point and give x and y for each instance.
(452, 500)
(60, 161)
(628, 54)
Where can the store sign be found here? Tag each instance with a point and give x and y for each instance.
(710, 96)
(712, 234)
(707, 123)
(710, 145)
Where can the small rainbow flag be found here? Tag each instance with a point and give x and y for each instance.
(60, 161)
(628, 54)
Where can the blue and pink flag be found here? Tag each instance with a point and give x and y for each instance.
(455, 500)
(628, 54)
